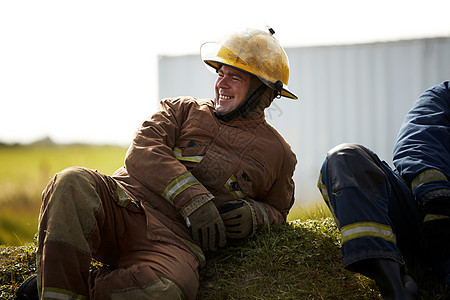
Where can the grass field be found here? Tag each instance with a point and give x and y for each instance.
(26, 171)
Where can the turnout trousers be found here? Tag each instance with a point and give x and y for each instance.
(372, 206)
(82, 217)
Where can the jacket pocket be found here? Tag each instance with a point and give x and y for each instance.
(245, 184)
(253, 155)
(190, 151)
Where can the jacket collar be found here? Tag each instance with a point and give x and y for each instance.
(250, 121)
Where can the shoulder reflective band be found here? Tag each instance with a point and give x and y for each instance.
(178, 154)
(367, 229)
(178, 185)
(427, 176)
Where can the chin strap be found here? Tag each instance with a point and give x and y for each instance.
(246, 107)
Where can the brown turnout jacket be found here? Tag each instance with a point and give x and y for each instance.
(183, 156)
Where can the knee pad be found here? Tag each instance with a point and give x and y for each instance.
(71, 206)
(352, 165)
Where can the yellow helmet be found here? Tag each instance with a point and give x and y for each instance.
(253, 51)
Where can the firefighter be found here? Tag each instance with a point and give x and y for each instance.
(197, 173)
(391, 217)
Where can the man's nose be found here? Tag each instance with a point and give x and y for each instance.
(222, 82)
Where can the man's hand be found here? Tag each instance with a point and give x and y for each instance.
(238, 219)
(207, 227)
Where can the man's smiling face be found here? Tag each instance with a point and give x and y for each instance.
(231, 88)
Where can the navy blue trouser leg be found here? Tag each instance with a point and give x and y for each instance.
(373, 207)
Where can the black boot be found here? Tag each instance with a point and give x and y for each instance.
(441, 268)
(435, 240)
(28, 290)
(390, 278)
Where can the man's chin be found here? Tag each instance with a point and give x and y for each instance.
(222, 111)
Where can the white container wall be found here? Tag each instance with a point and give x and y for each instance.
(348, 93)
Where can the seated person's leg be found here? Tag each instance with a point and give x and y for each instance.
(81, 218)
(146, 267)
(358, 188)
(163, 271)
(70, 215)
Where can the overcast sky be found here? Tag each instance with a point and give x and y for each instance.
(86, 71)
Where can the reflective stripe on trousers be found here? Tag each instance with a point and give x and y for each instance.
(371, 204)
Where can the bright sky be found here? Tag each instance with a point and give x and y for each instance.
(86, 71)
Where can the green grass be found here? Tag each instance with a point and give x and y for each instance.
(301, 260)
(297, 261)
(13, 232)
(16, 264)
(26, 171)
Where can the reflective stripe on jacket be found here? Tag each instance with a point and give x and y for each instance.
(183, 155)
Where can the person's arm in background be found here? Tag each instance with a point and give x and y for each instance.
(421, 153)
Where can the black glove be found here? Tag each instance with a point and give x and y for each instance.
(207, 227)
(238, 219)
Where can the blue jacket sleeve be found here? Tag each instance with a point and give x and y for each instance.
(421, 152)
